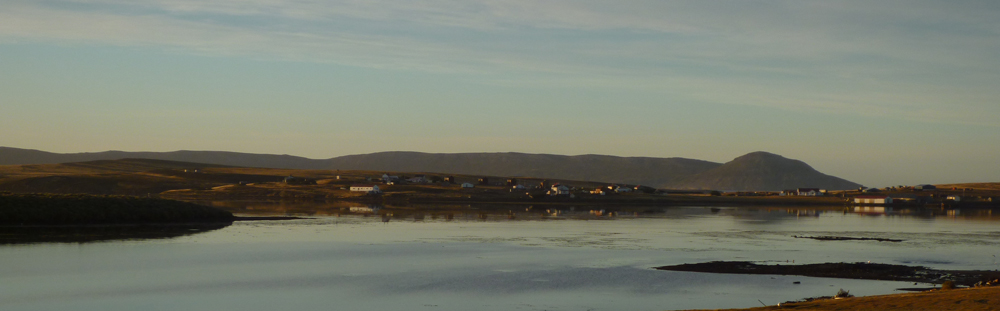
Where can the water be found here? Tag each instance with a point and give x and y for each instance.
(440, 259)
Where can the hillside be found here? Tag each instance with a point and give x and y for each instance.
(756, 171)
(631, 170)
(762, 171)
(15, 156)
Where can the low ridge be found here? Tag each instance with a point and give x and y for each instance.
(757, 171)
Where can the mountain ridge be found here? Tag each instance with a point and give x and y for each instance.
(756, 171)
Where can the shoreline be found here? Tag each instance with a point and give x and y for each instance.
(982, 293)
(84, 209)
(857, 271)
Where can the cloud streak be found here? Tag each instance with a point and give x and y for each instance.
(911, 60)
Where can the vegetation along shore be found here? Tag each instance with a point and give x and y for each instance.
(81, 209)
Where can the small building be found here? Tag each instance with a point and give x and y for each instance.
(511, 182)
(873, 199)
(484, 181)
(386, 178)
(808, 192)
(954, 198)
(558, 189)
(924, 187)
(365, 188)
(449, 179)
(518, 187)
(468, 185)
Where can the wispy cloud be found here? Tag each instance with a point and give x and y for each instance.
(905, 59)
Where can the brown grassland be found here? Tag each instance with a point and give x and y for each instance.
(190, 181)
(969, 299)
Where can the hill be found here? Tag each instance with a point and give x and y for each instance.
(15, 156)
(757, 171)
(601, 168)
(762, 171)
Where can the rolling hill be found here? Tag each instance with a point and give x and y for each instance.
(762, 171)
(758, 171)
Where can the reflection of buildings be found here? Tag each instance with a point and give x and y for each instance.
(601, 213)
(872, 209)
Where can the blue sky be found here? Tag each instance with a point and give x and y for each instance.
(881, 93)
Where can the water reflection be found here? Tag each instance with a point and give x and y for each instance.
(89, 234)
(489, 257)
(762, 215)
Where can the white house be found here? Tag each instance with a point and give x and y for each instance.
(468, 185)
(873, 199)
(365, 188)
(558, 189)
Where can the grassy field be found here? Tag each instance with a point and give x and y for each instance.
(971, 299)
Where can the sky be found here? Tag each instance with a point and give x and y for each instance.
(877, 92)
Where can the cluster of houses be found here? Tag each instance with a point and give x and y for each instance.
(866, 196)
(366, 188)
(807, 192)
(610, 189)
(871, 196)
(418, 179)
(512, 184)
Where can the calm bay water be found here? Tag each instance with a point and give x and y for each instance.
(439, 260)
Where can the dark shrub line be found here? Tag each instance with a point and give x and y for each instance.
(81, 209)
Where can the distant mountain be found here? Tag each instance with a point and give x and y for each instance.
(15, 156)
(754, 171)
(762, 171)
